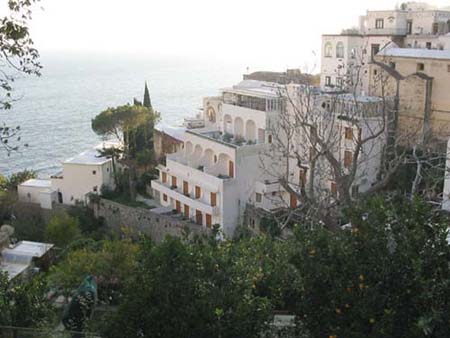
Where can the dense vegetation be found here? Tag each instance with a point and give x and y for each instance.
(386, 276)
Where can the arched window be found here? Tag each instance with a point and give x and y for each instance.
(340, 50)
(328, 49)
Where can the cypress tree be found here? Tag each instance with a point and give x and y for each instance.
(147, 101)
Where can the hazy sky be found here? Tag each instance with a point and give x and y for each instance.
(276, 33)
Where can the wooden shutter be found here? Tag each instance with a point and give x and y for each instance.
(208, 220)
(199, 217)
(185, 188)
(198, 191)
(231, 169)
(213, 199)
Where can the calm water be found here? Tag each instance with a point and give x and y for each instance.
(55, 110)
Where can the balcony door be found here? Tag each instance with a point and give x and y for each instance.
(186, 211)
(231, 169)
(213, 199)
(178, 206)
(185, 188)
(198, 217)
(293, 203)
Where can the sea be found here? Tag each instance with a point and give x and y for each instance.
(54, 111)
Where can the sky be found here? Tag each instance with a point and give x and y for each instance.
(275, 33)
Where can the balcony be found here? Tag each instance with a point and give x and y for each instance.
(178, 195)
(212, 175)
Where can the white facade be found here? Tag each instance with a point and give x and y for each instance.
(83, 174)
(38, 192)
(346, 57)
(214, 177)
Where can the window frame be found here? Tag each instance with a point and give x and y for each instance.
(379, 23)
(340, 50)
(328, 49)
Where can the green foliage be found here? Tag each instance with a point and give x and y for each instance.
(387, 277)
(109, 261)
(24, 304)
(28, 223)
(17, 178)
(200, 289)
(88, 223)
(62, 229)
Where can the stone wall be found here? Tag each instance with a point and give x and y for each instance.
(119, 217)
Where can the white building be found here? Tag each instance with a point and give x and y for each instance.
(81, 175)
(341, 122)
(18, 259)
(346, 57)
(219, 169)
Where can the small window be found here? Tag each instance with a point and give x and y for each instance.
(348, 159)
(164, 197)
(409, 26)
(392, 65)
(333, 188)
(274, 193)
(339, 82)
(94, 172)
(328, 50)
(435, 28)
(107, 170)
(375, 72)
(328, 81)
(269, 138)
(340, 50)
(420, 67)
(348, 133)
(379, 23)
(428, 45)
(95, 189)
(215, 158)
(258, 197)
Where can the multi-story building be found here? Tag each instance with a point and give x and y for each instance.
(221, 166)
(338, 124)
(81, 175)
(346, 57)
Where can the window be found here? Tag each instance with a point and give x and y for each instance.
(353, 53)
(213, 199)
(392, 65)
(428, 45)
(409, 27)
(339, 82)
(185, 188)
(107, 170)
(198, 217)
(208, 220)
(340, 50)
(328, 50)
(95, 189)
(328, 81)
(333, 189)
(348, 159)
(258, 197)
(164, 197)
(198, 192)
(269, 139)
(94, 172)
(420, 67)
(379, 23)
(375, 72)
(215, 158)
(348, 133)
(164, 177)
(435, 28)
(174, 182)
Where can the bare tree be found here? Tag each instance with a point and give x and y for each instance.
(329, 147)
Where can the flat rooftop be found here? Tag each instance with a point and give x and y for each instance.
(88, 157)
(416, 53)
(258, 88)
(37, 183)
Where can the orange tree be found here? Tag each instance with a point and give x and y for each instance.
(387, 276)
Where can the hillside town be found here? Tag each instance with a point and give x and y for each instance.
(274, 156)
